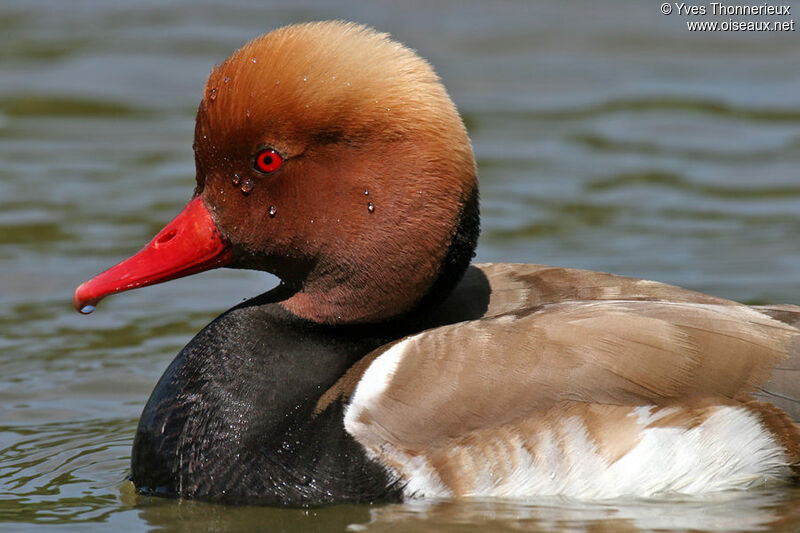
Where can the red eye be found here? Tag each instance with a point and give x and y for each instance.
(268, 161)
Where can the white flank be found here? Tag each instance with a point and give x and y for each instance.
(729, 450)
(421, 481)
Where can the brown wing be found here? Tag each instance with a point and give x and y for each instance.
(492, 289)
(783, 387)
(788, 314)
(515, 287)
(484, 373)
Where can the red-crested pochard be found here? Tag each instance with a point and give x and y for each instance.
(384, 366)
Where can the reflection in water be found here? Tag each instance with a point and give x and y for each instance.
(189, 517)
(737, 511)
(722, 512)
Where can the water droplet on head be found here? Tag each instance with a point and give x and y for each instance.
(366, 192)
(236, 178)
(273, 211)
(252, 59)
(212, 94)
(226, 79)
(247, 186)
(370, 207)
(305, 78)
(86, 309)
(247, 113)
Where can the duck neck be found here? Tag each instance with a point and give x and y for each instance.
(380, 293)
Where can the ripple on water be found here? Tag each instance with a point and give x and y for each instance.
(71, 470)
(668, 180)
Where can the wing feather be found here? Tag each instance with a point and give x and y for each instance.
(464, 377)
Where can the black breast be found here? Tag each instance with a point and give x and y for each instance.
(232, 420)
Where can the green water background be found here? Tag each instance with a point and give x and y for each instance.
(608, 137)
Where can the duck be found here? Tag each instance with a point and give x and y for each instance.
(386, 366)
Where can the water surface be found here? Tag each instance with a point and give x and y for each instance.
(608, 137)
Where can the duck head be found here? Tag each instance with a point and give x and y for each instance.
(332, 157)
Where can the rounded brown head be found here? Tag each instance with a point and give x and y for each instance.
(333, 157)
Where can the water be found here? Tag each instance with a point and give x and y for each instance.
(608, 137)
(247, 186)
